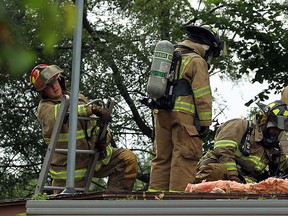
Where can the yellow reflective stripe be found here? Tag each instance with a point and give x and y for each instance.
(63, 137)
(156, 190)
(260, 166)
(284, 163)
(46, 140)
(205, 116)
(276, 111)
(82, 111)
(202, 91)
(175, 191)
(230, 166)
(106, 160)
(185, 61)
(248, 180)
(225, 143)
(271, 105)
(286, 133)
(208, 154)
(56, 109)
(109, 154)
(79, 174)
(183, 106)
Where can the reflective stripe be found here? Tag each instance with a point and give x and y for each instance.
(183, 106)
(175, 191)
(79, 174)
(205, 116)
(248, 180)
(202, 91)
(63, 137)
(276, 111)
(82, 111)
(106, 160)
(284, 163)
(184, 63)
(260, 166)
(225, 143)
(231, 166)
(56, 109)
(156, 190)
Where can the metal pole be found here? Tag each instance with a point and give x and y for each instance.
(76, 62)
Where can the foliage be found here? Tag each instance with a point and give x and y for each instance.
(118, 40)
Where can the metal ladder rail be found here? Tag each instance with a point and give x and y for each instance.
(103, 130)
(40, 187)
(52, 145)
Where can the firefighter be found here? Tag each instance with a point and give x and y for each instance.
(177, 142)
(284, 95)
(119, 164)
(248, 151)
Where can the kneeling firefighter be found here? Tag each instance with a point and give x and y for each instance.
(178, 97)
(118, 164)
(249, 151)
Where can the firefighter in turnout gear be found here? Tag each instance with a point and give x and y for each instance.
(284, 95)
(119, 165)
(177, 142)
(249, 151)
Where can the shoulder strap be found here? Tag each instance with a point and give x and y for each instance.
(245, 145)
(177, 60)
(187, 49)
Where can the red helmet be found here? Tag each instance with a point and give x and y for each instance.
(43, 74)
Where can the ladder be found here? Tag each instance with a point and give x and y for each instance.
(65, 102)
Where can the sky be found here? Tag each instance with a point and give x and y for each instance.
(236, 95)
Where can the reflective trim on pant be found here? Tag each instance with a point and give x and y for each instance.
(62, 175)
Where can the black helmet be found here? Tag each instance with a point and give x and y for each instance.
(273, 120)
(277, 113)
(205, 34)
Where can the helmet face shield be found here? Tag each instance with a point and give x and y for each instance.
(282, 122)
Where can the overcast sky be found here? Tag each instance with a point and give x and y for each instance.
(236, 96)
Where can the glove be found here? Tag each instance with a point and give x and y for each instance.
(101, 144)
(204, 130)
(102, 112)
(234, 178)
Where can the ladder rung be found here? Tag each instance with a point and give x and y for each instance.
(60, 188)
(79, 151)
(88, 118)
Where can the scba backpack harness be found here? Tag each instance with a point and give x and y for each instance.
(163, 87)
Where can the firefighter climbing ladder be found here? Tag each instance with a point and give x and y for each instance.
(40, 187)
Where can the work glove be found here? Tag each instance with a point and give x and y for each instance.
(234, 178)
(204, 130)
(102, 112)
(102, 143)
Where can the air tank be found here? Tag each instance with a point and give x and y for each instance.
(160, 68)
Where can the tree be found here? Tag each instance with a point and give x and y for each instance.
(118, 40)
